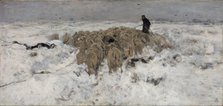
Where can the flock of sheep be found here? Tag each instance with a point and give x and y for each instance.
(114, 45)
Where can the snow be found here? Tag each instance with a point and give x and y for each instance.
(193, 77)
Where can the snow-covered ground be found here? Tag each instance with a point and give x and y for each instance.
(191, 72)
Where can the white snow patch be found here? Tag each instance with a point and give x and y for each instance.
(191, 72)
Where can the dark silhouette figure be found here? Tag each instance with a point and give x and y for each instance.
(146, 24)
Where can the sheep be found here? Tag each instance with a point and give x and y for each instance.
(114, 58)
(92, 63)
(138, 46)
(94, 58)
(81, 57)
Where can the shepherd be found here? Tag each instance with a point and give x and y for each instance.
(146, 24)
